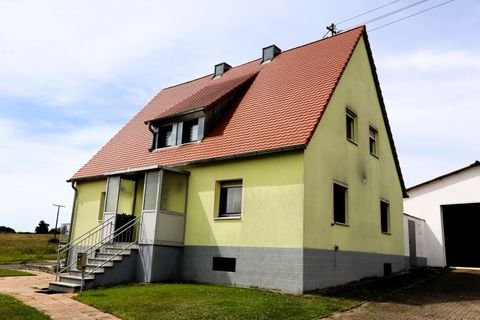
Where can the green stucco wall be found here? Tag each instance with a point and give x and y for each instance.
(87, 206)
(89, 195)
(331, 157)
(272, 208)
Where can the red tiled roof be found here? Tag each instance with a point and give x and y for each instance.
(280, 109)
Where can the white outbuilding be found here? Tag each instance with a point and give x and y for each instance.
(450, 207)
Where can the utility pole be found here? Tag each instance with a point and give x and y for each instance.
(56, 221)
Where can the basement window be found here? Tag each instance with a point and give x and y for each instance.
(351, 126)
(339, 204)
(385, 217)
(373, 141)
(224, 264)
(230, 204)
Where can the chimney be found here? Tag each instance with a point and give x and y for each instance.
(220, 69)
(270, 52)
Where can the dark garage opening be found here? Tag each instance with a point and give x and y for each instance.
(461, 228)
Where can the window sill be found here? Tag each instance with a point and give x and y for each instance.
(352, 141)
(239, 217)
(387, 233)
(340, 224)
(374, 155)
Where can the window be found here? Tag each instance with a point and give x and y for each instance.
(165, 137)
(190, 131)
(101, 207)
(339, 204)
(177, 133)
(385, 216)
(373, 141)
(230, 198)
(351, 125)
(224, 264)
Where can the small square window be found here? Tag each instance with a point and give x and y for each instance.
(339, 204)
(373, 141)
(190, 131)
(385, 216)
(230, 198)
(351, 125)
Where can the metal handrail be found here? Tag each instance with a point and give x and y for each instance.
(83, 238)
(107, 240)
(87, 234)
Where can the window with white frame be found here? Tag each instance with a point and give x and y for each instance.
(351, 125)
(230, 200)
(373, 141)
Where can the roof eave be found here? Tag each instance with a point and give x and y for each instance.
(473, 165)
(384, 112)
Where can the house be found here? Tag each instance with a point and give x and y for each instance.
(450, 206)
(278, 173)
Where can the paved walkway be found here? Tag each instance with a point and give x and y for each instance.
(59, 306)
(452, 295)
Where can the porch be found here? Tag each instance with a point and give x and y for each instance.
(139, 238)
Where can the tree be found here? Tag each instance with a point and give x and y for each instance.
(42, 227)
(4, 229)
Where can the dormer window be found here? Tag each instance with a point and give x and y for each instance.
(190, 131)
(165, 136)
(177, 133)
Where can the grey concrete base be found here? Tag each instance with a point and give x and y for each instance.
(290, 270)
(273, 268)
(327, 268)
(123, 271)
(157, 263)
(421, 262)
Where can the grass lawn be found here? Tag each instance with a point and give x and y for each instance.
(13, 273)
(17, 248)
(197, 301)
(12, 309)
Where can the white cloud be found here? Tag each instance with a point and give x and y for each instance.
(431, 101)
(35, 168)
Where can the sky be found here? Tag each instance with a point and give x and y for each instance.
(72, 73)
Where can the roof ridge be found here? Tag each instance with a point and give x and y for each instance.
(284, 51)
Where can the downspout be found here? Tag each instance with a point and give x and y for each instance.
(71, 219)
(73, 210)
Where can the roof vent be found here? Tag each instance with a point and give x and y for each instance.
(221, 68)
(270, 52)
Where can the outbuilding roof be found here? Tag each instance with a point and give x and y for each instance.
(279, 111)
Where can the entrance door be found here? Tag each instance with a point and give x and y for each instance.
(412, 243)
(111, 205)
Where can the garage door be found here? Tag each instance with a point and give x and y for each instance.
(461, 228)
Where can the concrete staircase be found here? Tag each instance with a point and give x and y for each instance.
(114, 264)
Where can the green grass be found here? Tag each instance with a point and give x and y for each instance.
(196, 301)
(12, 309)
(13, 273)
(18, 248)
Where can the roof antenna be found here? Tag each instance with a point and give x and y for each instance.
(332, 29)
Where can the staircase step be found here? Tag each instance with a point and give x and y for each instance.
(98, 262)
(75, 280)
(122, 245)
(78, 273)
(117, 251)
(63, 287)
(106, 256)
